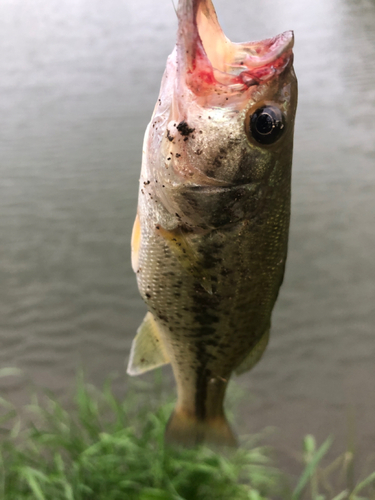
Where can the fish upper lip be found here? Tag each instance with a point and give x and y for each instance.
(276, 47)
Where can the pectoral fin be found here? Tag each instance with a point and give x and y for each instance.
(187, 256)
(254, 356)
(136, 243)
(147, 351)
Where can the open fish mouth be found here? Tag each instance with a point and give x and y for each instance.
(210, 62)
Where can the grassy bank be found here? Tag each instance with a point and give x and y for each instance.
(108, 449)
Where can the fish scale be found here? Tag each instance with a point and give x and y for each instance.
(209, 243)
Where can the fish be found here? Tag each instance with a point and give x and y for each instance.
(210, 238)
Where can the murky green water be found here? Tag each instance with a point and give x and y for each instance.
(78, 81)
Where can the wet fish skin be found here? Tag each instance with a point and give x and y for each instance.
(210, 239)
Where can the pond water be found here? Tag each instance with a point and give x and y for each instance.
(79, 80)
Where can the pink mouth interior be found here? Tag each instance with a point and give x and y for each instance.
(211, 62)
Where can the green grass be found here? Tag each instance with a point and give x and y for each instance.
(110, 449)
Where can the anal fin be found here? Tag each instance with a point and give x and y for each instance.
(147, 351)
(255, 354)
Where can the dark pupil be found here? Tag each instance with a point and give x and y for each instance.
(267, 124)
(264, 123)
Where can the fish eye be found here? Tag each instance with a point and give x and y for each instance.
(266, 124)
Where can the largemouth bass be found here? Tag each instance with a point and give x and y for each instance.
(210, 238)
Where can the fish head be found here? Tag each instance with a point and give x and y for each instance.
(225, 113)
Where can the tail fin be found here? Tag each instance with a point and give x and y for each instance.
(189, 431)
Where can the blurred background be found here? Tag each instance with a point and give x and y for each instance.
(78, 82)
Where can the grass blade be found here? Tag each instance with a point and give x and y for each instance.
(310, 468)
(363, 484)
